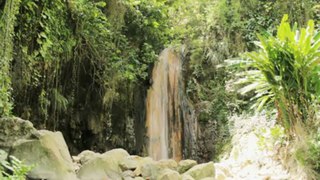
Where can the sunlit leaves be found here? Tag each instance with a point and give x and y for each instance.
(286, 71)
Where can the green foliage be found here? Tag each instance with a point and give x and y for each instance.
(18, 170)
(71, 56)
(308, 153)
(285, 71)
(8, 18)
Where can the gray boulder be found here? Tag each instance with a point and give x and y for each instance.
(187, 177)
(131, 163)
(202, 171)
(13, 129)
(185, 165)
(152, 169)
(49, 155)
(142, 162)
(168, 174)
(86, 155)
(103, 166)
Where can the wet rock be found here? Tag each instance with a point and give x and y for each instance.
(202, 171)
(103, 166)
(185, 165)
(49, 154)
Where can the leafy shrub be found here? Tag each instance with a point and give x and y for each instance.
(308, 154)
(285, 72)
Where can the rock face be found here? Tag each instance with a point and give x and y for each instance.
(49, 154)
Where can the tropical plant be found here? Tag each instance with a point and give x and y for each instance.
(284, 71)
(18, 170)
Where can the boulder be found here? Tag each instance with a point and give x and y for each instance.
(127, 178)
(103, 166)
(187, 177)
(131, 163)
(139, 178)
(202, 171)
(168, 174)
(49, 155)
(222, 170)
(219, 175)
(128, 174)
(13, 129)
(168, 163)
(86, 155)
(150, 170)
(143, 161)
(185, 165)
(153, 168)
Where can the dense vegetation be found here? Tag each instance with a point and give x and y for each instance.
(83, 67)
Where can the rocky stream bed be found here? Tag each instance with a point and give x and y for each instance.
(49, 154)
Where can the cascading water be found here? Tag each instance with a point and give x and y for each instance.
(163, 123)
(170, 123)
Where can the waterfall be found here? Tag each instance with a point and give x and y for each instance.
(168, 115)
